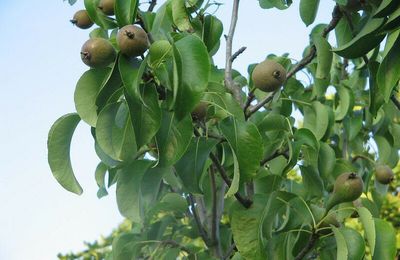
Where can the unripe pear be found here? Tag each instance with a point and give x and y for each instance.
(384, 174)
(269, 76)
(347, 187)
(107, 6)
(132, 40)
(82, 20)
(97, 53)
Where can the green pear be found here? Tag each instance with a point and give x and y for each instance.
(268, 76)
(347, 187)
(384, 174)
(97, 53)
(82, 20)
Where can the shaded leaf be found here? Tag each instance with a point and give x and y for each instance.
(173, 138)
(191, 166)
(385, 247)
(129, 186)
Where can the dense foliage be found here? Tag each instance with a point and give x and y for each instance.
(208, 166)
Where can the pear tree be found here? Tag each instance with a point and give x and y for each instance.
(211, 163)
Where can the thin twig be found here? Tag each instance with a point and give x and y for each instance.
(250, 98)
(237, 53)
(202, 231)
(229, 83)
(277, 153)
(244, 201)
(152, 5)
(314, 237)
(395, 101)
(336, 16)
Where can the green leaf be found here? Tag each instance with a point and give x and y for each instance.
(173, 138)
(100, 174)
(212, 31)
(125, 247)
(246, 228)
(308, 11)
(97, 16)
(58, 145)
(246, 142)
(162, 24)
(129, 185)
(386, 8)
(385, 247)
(131, 73)
(180, 16)
(280, 4)
(316, 119)
(388, 75)
(384, 149)
(195, 74)
(326, 159)
(223, 101)
(343, 32)
(324, 57)
(86, 92)
(125, 11)
(150, 187)
(345, 104)
(355, 243)
(111, 88)
(342, 251)
(312, 181)
(369, 227)
(146, 118)
(393, 22)
(236, 177)
(114, 132)
(364, 41)
(191, 166)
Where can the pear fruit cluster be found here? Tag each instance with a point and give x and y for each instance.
(82, 20)
(97, 53)
(269, 76)
(384, 174)
(348, 187)
(132, 40)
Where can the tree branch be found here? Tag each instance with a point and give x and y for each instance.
(152, 5)
(244, 201)
(229, 83)
(214, 217)
(336, 16)
(237, 53)
(277, 153)
(202, 231)
(313, 239)
(229, 252)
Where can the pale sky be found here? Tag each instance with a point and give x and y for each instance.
(39, 67)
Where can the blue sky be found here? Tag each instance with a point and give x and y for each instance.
(40, 65)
